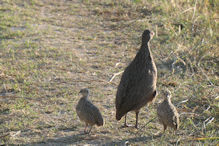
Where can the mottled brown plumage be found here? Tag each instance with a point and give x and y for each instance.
(138, 83)
(167, 113)
(87, 112)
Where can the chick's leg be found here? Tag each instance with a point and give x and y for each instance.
(85, 129)
(164, 128)
(90, 129)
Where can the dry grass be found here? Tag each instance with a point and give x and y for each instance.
(51, 49)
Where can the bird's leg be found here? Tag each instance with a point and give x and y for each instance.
(85, 129)
(90, 129)
(125, 125)
(164, 128)
(174, 132)
(136, 124)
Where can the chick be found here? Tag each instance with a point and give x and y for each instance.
(88, 112)
(167, 113)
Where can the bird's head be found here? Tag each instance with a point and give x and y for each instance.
(84, 92)
(167, 94)
(147, 36)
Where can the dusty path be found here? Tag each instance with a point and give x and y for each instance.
(74, 29)
(87, 57)
(89, 51)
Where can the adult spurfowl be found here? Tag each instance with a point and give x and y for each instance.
(138, 82)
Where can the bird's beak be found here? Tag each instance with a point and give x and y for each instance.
(152, 33)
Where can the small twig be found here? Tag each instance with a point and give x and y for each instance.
(117, 64)
(115, 74)
(206, 76)
(177, 142)
(193, 16)
(206, 138)
(194, 10)
(187, 10)
(199, 62)
(148, 123)
(206, 122)
(209, 120)
(179, 29)
(183, 101)
(207, 108)
(187, 113)
(191, 68)
(88, 81)
(200, 138)
(16, 134)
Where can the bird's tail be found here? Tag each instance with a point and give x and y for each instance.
(100, 122)
(118, 116)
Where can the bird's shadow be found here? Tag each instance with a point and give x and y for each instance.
(76, 139)
(73, 139)
(92, 139)
(128, 141)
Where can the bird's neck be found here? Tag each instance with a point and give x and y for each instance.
(145, 51)
(85, 97)
(168, 99)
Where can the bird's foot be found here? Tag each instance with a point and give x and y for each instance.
(136, 126)
(125, 126)
(158, 133)
(86, 132)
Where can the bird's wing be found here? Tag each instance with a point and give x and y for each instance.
(129, 92)
(123, 88)
(162, 111)
(93, 113)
